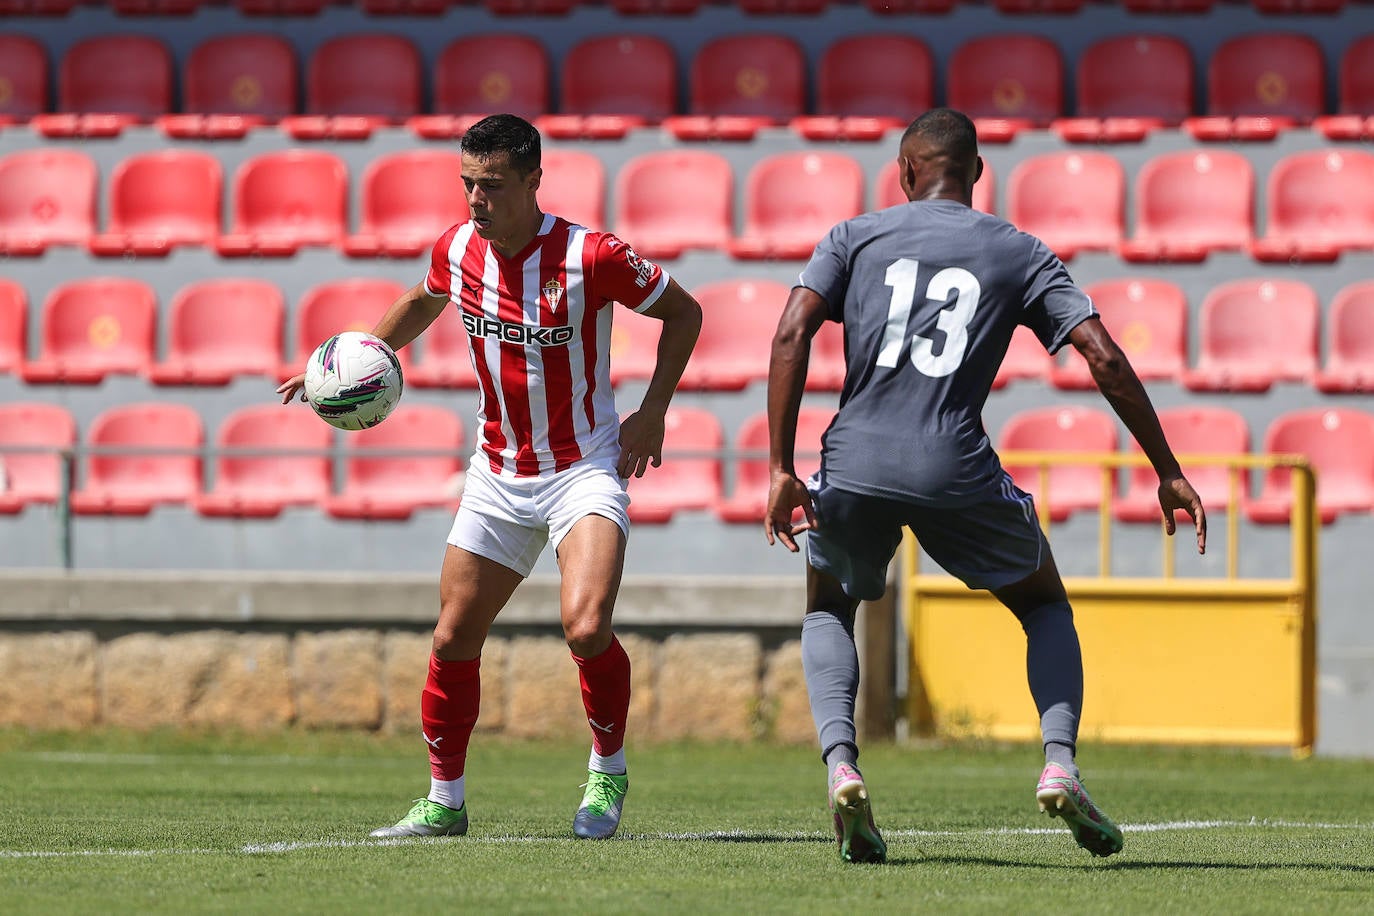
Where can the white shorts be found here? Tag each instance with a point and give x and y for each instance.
(509, 520)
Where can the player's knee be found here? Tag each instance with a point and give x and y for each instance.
(587, 635)
(454, 642)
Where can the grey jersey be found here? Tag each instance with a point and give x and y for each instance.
(929, 294)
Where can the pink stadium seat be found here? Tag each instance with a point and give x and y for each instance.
(1026, 359)
(486, 74)
(14, 323)
(106, 83)
(222, 328)
(32, 476)
(740, 83)
(1071, 487)
(1072, 201)
(379, 484)
(129, 483)
(286, 200)
(574, 187)
(1321, 203)
(748, 499)
(634, 346)
(1261, 83)
(825, 370)
(1253, 333)
(372, 77)
(248, 76)
(24, 73)
(1007, 83)
(445, 361)
(887, 189)
(738, 321)
(1355, 120)
(670, 201)
(1129, 85)
(1350, 341)
(1197, 431)
(1148, 319)
(409, 199)
(47, 197)
(159, 200)
(791, 200)
(340, 305)
(1190, 203)
(868, 84)
(261, 484)
(684, 481)
(1339, 443)
(612, 83)
(94, 327)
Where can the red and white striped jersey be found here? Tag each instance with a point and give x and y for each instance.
(540, 338)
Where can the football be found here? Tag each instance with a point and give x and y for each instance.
(353, 380)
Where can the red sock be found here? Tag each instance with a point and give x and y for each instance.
(606, 696)
(448, 709)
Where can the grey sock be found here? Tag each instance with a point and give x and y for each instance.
(831, 664)
(1061, 754)
(840, 753)
(1054, 667)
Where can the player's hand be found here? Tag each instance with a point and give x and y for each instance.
(785, 494)
(288, 388)
(1177, 493)
(641, 443)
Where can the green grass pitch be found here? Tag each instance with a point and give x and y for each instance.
(120, 823)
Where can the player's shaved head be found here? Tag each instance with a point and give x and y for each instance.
(504, 135)
(938, 156)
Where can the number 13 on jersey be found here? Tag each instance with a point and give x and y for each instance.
(953, 319)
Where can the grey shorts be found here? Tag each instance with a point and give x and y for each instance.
(986, 545)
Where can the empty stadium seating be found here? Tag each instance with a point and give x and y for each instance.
(408, 200)
(47, 197)
(382, 482)
(887, 189)
(867, 84)
(446, 361)
(1339, 443)
(689, 480)
(748, 499)
(24, 71)
(1354, 119)
(1069, 488)
(1349, 362)
(1072, 201)
(355, 83)
(222, 328)
(1321, 203)
(738, 321)
(1253, 333)
(32, 476)
(574, 187)
(232, 83)
(634, 346)
(340, 305)
(107, 83)
(267, 463)
(1006, 83)
(1128, 85)
(93, 327)
(1190, 203)
(1149, 321)
(611, 83)
(739, 83)
(1259, 84)
(1026, 358)
(160, 200)
(14, 323)
(286, 200)
(825, 370)
(127, 481)
(1191, 430)
(668, 202)
(480, 75)
(791, 200)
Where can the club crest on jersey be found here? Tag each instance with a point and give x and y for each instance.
(553, 292)
(510, 332)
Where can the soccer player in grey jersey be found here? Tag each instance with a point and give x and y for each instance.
(929, 293)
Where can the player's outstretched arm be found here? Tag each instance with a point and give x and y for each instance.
(641, 433)
(801, 319)
(1115, 377)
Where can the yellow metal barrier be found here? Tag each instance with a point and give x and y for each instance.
(1226, 660)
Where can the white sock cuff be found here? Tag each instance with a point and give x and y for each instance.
(614, 764)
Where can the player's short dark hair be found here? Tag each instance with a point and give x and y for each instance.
(947, 130)
(504, 134)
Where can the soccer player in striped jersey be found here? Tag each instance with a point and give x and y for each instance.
(536, 294)
(929, 293)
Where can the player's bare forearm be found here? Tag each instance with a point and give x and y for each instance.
(408, 316)
(681, 317)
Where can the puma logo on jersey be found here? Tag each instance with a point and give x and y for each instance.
(510, 332)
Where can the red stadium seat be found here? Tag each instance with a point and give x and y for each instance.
(36, 7)
(868, 84)
(340, 305)
(1253, 333)
(1071, 487)
(1298, 7)
(407, 7)
(379, 484)
(1072, 201)
(130, 483)
(279, 7)
(782, 7)
(530, 7)
(1164, 7)
(94, 327)
(14, 323)
(482, 75)
(234, 82)
(286, 200)
(656, 7)
(222, 328)
(1026, 359)
(612, 83)
(446, 361)
(825, 370)
(1190, 203)
(574, 187)
(634, 346)
(1259, 84)
(257, 483)
(791, 200)
(159, 200)
(1339, 443)
(355, 84)
(24, 74)
(1320, 203)
(903, 7)
(156, 7)
(1038, 7)
(1350, 341)
(106, 83)
(32, 476)
(1355, 120)
(740, 83)
(409, 199)
(1007, 83)
(670, 201)
(47, 197)
(1195, 431)
(887, 190)
(748, 499)
(1129, 85)
(738, 321)
(1148, 319)
(687, 480)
